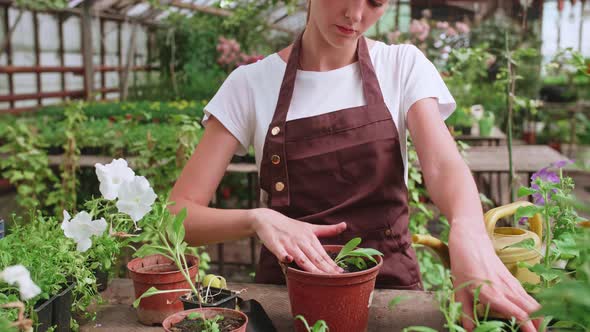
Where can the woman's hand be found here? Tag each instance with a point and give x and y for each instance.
(292, 240)
(473, 261)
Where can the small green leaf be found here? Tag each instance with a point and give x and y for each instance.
(525, 191)
(348, 247)
(395, 301)
(194, 315)
(178, 224)
(154, 291)
(320, 326)
(148, 249)
(301, 318)
(527, 211)
(419, 329)
(526, 244)
(490, 326)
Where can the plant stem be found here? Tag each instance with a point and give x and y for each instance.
(510, 91)
(547, 235)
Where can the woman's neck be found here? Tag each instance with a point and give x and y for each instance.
(318, 55)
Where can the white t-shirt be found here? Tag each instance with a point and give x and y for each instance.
(246, 101)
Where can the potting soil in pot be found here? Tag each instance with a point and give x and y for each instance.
(227, 324)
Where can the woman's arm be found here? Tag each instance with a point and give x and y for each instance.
(196, 186)
(287, 238)
(453, 190)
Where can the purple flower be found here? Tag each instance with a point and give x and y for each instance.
(522, 221)
(545, 176)
(562, 163)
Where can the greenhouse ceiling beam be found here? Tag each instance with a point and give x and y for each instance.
(64, 69)
(219, 12)
(102, 14)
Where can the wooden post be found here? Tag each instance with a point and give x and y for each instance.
(8, 48)
(120, 54)
(102, 58)
(60, 31)
(37, 55)
(581, 27)
(396, 25)
(129, 62)
(86, 28)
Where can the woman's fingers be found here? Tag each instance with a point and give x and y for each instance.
(501, 304)
(524, 299)
(328, 230)
(303, 261)
(280, 252)
(466, 300)
(324, 259)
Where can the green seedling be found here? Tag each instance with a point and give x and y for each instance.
(319, 326)
(358, 257)
(209, 324)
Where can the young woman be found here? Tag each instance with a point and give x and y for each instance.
(327, 117)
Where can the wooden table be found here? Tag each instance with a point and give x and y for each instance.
(420, 308)
(495, 138)
(527, 159)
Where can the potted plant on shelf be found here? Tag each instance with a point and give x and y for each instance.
(460, 121)
(486, 124)
(342, 300)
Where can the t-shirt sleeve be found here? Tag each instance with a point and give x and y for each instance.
(232, 106)
(422, 80)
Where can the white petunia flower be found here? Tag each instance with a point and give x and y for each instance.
(19, 275)
(81, 228)
(111, 176)
(136, 198)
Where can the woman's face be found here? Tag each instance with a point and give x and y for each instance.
(342, 22)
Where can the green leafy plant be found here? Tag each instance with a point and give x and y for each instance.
(25, 164)
(453, 311)
(38, 243)
(208, 324)
(163, 233)
(349, 256)
(568, 300)
(552, 195)
(319, 326)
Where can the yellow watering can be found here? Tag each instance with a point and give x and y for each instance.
(502, 238)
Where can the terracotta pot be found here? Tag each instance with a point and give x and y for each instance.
(207, 313)
(160, 272)
(529, 137)
(555, 145)
(342, 300)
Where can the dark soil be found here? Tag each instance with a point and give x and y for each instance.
(347, 269)
(227, 324)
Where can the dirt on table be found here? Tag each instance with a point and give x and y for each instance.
(226, 324)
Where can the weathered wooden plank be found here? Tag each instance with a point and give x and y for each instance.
(418, 308)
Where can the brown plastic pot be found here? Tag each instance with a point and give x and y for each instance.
(342, 300)
(160, 272)
(207, 313)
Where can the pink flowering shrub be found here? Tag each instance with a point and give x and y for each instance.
(231, 55)
(435, 38)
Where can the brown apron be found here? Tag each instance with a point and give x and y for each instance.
(346, 166)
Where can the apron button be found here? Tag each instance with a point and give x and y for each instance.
(275, 131)
(388, 232)
(279, 186)
(275, 159)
